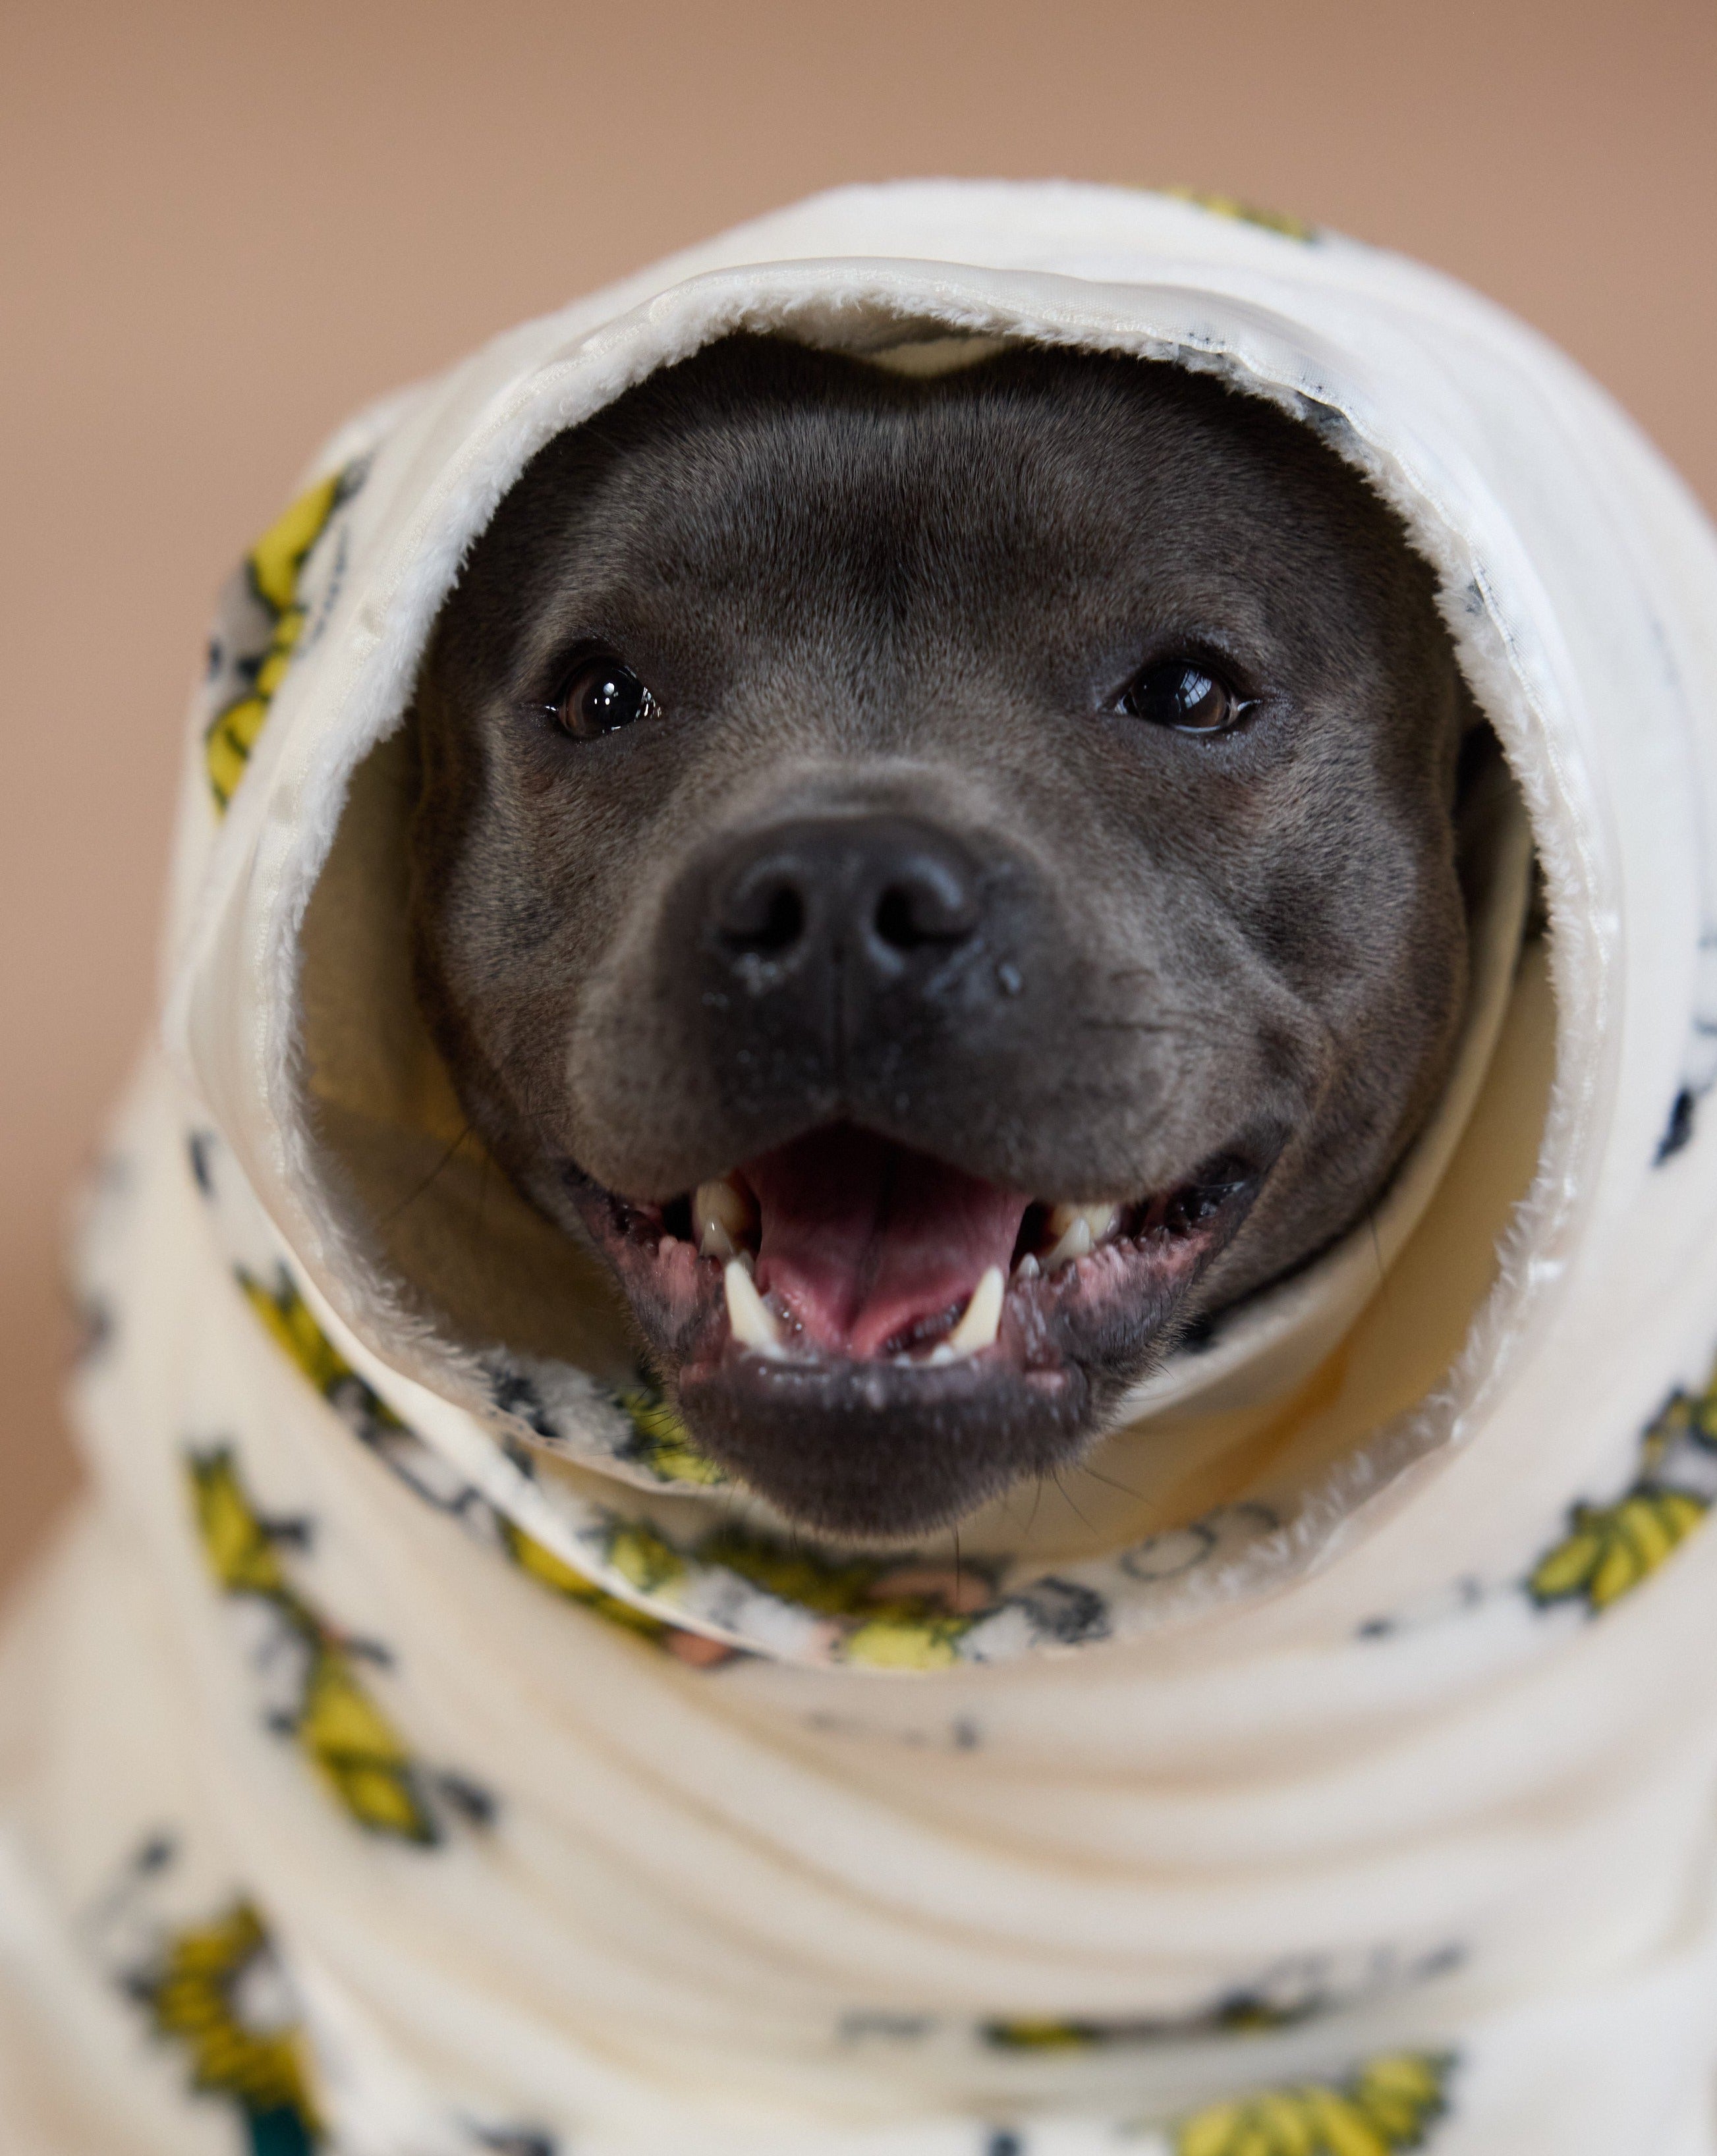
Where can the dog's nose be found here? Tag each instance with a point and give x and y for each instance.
(886, 898)
(866, 963)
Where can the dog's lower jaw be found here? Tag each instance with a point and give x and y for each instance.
(867, 1452)
(897, 1438)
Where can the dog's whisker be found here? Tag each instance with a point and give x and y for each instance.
(1126, 1489)
(1036, 1500)
(483, 1172)
(412, 1196)
(1068, 1500)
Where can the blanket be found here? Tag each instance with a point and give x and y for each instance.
(413, 1746)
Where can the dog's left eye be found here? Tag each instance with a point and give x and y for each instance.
(602, 694)
(1185, 695)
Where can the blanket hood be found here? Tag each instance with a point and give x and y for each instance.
(1328, 1430)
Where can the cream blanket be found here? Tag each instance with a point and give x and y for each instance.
(412, 1749)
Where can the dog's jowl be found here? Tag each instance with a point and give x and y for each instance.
(944, 880)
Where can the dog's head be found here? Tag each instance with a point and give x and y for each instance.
(944, 881)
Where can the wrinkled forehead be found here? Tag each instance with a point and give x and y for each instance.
(762, 488)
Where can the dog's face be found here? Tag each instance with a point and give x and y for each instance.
(943, 881)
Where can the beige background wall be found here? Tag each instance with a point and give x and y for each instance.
(223, 225)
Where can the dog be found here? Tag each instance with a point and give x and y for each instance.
(949, 786)
(945, 880)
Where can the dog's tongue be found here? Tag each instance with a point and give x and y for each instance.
(864, 1241)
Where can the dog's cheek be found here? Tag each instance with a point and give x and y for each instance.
(1198, 1033)
(641, 1104)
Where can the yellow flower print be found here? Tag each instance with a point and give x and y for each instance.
(1611, 1549)
(1389, 2105)
(541, 1564)
(899, 1616)
(891, 1616)
(644, 1558)
(1242, 2013)
(241, 1553)
(287, 1318)
(896, 1641)
(356, 1749)
(694, 1649)
(202, 1995)
(272, 568)
(333, 1718)
(1243, 212)
(662, 1443)
(1030, 2036)
(800, 1576)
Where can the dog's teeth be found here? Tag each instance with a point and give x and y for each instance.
(721, 1216)
(1028, 1268)
(753, 1322)
(982, 1321)
(1073, 1244)
(1077, 1228)
(1098, 1219)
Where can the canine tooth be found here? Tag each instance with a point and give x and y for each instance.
(1077, 1229)
(753, 1321)
(1098, 1219)
(721, 1216)
(1073, 1244)
(982, 1321)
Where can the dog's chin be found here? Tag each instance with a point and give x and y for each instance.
(878, 1343)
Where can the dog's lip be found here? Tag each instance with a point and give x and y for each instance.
(1157, 1244)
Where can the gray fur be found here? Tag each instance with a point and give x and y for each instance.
(857, 594)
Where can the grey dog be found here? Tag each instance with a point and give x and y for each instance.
(945, 882)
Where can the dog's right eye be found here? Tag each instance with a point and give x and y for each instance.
(602, 694)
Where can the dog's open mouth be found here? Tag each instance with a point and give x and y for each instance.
(843, 1281)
